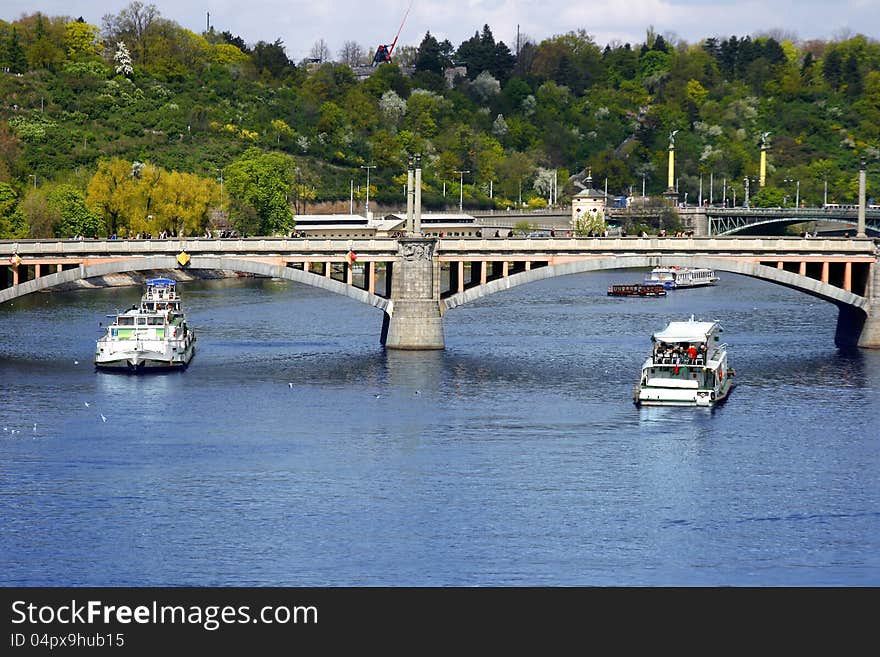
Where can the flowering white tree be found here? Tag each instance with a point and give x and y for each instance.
(123, 60)
(392, 106)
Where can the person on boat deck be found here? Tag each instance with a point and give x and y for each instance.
(692, 352)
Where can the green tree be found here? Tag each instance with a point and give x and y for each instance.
(112, 195)
(14, 59)
(81, 41)
(12, 223)
(69, 214)
(259, 184)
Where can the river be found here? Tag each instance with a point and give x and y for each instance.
(296, 451)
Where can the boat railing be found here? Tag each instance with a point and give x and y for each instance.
(679, 360)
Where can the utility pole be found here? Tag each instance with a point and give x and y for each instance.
(351, 197)
(367, 203)
(461, 191)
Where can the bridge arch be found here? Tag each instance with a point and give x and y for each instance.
(824, 291)
(197, 262)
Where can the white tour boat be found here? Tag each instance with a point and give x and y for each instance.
(687, 367)
(153, 335)
(679, 277)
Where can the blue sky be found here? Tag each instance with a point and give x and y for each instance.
(300, 24)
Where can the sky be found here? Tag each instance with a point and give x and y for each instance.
(371, 22)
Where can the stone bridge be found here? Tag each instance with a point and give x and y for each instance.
(415, 281)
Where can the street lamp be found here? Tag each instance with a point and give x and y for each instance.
(797, 195)
(367, 204)
(34, 176)
(461, 191)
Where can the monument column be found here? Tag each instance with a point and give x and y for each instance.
(762, 178)
(671, 192)
(413, 321)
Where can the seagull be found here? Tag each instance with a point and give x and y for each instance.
(86, 403)
(289, 385)
(418, 392)
(76, 362)
(35, 427)
(103, 419)
(377, 396)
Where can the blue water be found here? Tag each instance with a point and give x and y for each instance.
(295, 451)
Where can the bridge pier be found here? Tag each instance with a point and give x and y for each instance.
(414, 321)
(870, 333)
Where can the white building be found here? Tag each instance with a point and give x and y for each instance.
(588, 208)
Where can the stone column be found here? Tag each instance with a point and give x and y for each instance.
(414, 321)
(417, 211)
(860, 231)
(409, 198)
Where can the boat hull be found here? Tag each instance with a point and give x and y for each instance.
(132, 359)
(700, 397)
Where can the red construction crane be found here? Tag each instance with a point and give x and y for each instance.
(383, 52)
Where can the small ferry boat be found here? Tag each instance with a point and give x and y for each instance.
(688, 366)
(153, 335)
(680, 277)
(637, 290)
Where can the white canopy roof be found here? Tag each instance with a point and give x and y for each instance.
(690, 331)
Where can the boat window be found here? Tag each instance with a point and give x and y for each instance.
(155, 321)
(125, 321)
(141, 321)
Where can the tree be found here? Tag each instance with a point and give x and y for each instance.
(12, 223)
(271, 60)
(259, 184)
(82, 41)
(15, 58)
(134, 24)
(352, 54)
(182, 203)
(320, 51)
(430, 56)
(832, 69)
(123, 60)
(43, 52)
(392, 108)
(111, 195)
(485, 87)
(69, 214)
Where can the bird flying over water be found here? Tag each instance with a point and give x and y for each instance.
(103, 419)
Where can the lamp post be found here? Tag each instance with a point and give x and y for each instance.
(367, 203)
(34, 176)
(746, 187)
(461, 191)
(797, 194)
